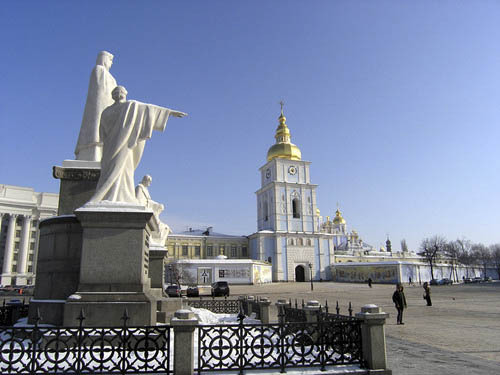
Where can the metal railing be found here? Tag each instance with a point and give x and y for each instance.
(10, 313)
(240, 347)
(298, 314)
(77, 350)
(218, 306)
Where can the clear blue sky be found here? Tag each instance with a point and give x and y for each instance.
(395, 103)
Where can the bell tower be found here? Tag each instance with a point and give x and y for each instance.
(288, 222)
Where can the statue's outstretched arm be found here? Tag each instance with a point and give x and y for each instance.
(177, 113)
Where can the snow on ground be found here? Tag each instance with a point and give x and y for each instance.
(206, 317)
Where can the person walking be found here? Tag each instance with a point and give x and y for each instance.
(370, 282)
(399, 300)
(427, 293)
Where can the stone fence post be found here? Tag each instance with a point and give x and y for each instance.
(280, 305)
(265, 306)
(184, 324)
(249, 301)
(373, 337)
(311, 308)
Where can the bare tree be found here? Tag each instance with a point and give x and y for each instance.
(482, 254)
(176, 274)
(432, 248)
(465, 255)
(452, 251)
(495, 257)
(404, 246)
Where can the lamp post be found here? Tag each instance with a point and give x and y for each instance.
(311, 273)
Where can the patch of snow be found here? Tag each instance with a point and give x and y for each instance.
(207, 317)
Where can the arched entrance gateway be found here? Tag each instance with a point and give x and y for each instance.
(300, 274)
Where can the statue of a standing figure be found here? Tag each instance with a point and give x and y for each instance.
(99, 97)
(144, 198)
(124, 128)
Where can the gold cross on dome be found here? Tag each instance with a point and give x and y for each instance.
(282, 103)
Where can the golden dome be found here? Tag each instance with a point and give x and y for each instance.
(283, 148)
(338, 218)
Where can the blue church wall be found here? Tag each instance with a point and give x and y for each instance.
(282, 223)
(296, 225)
(308, 224)
(270, 249)
(317, 260)
(253, 248)
(325, 246)
(284, 263)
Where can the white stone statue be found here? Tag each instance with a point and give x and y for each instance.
(144, 198)
(123, 130)
(99, 97)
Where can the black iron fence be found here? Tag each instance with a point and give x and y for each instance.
(296, 343)
(79, 350)
(218, 306)
(296, 313)
(11, 311)
(278, 346)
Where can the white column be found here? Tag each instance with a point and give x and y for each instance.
(9, 245)
(1, 220)
(24, 245)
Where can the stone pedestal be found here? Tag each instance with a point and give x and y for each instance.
(114, 269)
(311, 309)
(157, 255)
(58, 267)
(265, 304)
(184, 324)
(373, 337)
(78, 182)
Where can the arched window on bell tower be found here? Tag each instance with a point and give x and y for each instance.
(296, 208)
(266, 211)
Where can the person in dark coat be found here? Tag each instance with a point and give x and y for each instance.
(399, 300)
(370, 282)
(427, 293)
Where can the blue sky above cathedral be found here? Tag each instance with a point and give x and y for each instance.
(396, 104)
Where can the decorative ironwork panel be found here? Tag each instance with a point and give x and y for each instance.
(294, 314)
(218, 306)
(278, 346)
(125, 350)
(342, 342)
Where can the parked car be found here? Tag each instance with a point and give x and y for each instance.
(192, 291)
(488, 279)
(477, 279)
(220, 288)
(467, 280)
(433, 282)
(173, 291)
(445, 281)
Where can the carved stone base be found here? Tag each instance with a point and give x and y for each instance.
(78, 182)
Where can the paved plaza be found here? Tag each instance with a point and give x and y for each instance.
(459, 334)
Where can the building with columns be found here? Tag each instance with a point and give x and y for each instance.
(21, 209)
(205, 244)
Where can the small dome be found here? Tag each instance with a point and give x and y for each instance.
(283, 148)
(338, 218)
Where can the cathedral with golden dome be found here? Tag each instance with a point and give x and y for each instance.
(291, 234)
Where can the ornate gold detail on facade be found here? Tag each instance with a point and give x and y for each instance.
(283, 148)
(338, 217)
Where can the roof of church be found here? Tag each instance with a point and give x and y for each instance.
(283, 148)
